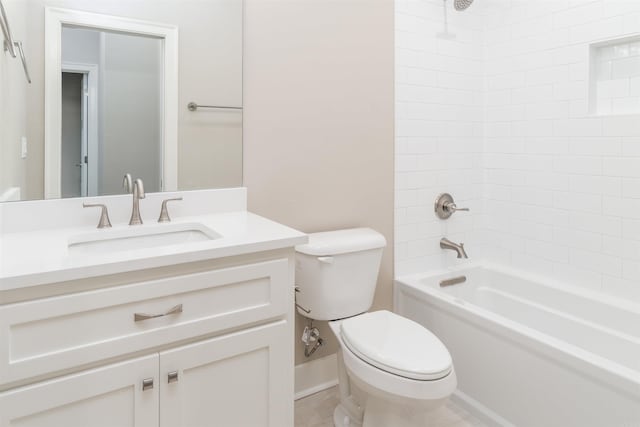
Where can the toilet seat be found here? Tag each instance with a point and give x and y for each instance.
(377, 381)
(396, 345)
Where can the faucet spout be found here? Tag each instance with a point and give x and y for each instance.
(457, 247)
(138, 193)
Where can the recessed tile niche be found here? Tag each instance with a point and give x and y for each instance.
(615, 77)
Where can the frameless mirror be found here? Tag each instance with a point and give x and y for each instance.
(111, 82)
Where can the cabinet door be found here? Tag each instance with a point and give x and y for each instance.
(105, 397)
(244, 379)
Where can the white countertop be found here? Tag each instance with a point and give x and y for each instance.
(42, 256)
(35, 257)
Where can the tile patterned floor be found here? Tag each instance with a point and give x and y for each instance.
(317, 411)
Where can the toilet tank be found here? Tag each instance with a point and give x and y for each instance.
(337, 271)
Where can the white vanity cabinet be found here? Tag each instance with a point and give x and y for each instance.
(208, 343)
(104, 397)
(234, 380)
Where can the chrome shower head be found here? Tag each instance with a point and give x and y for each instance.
(462, 4)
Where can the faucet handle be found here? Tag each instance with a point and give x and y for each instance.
(454, 208)
(164, 212)
(127, 183)
(445, 206)
(104, 214)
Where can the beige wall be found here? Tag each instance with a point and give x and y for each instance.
(319, 120)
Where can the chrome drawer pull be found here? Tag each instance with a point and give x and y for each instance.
(142, 316)
(172, 377)
(147, 384)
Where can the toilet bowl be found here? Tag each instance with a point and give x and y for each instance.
(391, 370)
(403, 370)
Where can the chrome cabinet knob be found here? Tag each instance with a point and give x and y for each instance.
(147, 384)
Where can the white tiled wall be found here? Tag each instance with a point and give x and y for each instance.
(439, 128)
(555, 190)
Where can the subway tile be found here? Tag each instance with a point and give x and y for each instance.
(621, 166)
(501, 118)
(532, 94)
(596, 261)
(547, 75)
(578, 165)
(578, 127)
(547, 145)
(628, 105)
(577, 276)
(578, 15)
(596, 223)
(631, 146)
(626, 126)
(581, 202)
(604, 185)
(578, 239)
(596, 146)
(550, 110)
(598, 30)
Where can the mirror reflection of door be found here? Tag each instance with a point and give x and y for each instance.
(111, 114)
(74, 135)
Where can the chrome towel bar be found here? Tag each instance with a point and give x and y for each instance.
(10, 44)
(192, 106)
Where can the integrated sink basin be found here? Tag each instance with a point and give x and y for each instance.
(141, 237)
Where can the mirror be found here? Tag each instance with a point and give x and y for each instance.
(110, 97)
(110, 103)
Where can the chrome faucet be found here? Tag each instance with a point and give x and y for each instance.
(459, 248)
(138, 193)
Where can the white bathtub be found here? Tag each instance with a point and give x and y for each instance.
(532, 354)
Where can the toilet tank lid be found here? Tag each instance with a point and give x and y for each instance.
(342, 242)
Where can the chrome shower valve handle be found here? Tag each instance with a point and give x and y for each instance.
(445, 206)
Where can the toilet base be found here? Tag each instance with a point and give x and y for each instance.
(341, 418)
(384, 412)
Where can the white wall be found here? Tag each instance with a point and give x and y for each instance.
(560, 186)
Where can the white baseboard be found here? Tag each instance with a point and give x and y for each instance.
(317, 375)
(486, 415)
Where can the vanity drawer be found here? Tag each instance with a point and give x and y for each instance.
(53, 334)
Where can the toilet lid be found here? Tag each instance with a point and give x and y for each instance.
(396, 345)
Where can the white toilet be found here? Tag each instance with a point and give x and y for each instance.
(401, 371)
